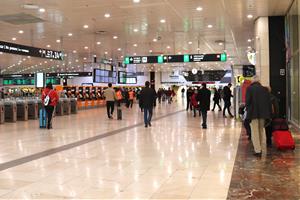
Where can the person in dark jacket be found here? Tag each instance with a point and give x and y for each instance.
(227, 99)
(189, 94)
(217, 99)
(147, 100)
(258, 105)
(204, 99)
(274, 115)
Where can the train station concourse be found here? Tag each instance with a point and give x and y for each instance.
(150, 99)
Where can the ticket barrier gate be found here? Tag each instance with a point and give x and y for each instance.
(74, 106)
(33, 109)
(22, 110)
(59, 110)
(2, 116)
(66, 106)
(10, 111)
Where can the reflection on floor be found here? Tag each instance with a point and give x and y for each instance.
(174, 159)
(276, 176)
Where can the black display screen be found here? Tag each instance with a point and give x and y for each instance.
(215, 75)
(249, 70)
(18, 49)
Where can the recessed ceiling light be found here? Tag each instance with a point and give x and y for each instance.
(199, 8)
(162, 21)
(48, 46)
(249, 40)
(84, 58)
(220, 43)
(1, 52)
(21, 31)
(135, 45)
(209, 26)
(150, 51)
(136, 1)
(58, 41)
(249, 47)
(249, 16)
(134, 54)
(85, 26)
(179, 52)
(115, 37)
(119, 49)
(98, 43)
(168, 47)
(135, 30)
(154, 40)
(42, 10)
(74, 51)
(107, 15)
(14, 39)
(76, 60)
(86, 47)
(105, 52)
(70, 34)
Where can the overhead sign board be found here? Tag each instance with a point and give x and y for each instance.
(176, 58)
(70, 74)
(23, 50)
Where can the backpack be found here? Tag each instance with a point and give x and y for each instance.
(47, 99)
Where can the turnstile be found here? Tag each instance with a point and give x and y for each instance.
(66, 106)
(59, 110)
(22, 110)
(74, 107)
(2, 116)
(10, 110)
(33, 109)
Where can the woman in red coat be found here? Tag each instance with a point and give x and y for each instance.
(50, 99)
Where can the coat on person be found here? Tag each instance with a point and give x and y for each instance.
(258, 102)
(204, 98)
(147, 97)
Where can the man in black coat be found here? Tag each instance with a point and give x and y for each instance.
(189, 94)
(204, 98)
(258, 106)
(147, 100)
(227, 99)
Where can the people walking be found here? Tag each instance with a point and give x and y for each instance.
(204, 100)
(217, 99)
(258, 105)
(131, 98)
(189, 94)
(50, 99)
(182, 92)
(227, 100)
(147, 99)
(110, 97)
(195, 103)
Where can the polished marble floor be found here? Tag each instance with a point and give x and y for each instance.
(174, 159)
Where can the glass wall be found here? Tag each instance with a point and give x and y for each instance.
(292, 43)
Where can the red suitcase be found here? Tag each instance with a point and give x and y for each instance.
(283, 140)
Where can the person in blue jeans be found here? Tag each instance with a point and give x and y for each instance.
(147, 101)
(204, 98)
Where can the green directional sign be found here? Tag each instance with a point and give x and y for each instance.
(160, 59)
(223, 57)
(186, 58)
(126, 61)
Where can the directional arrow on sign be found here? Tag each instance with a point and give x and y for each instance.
(165, 57)
(191, 57)
(131, 59)
(170, 57)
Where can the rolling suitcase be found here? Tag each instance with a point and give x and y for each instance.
(43, 118)
(283, 140)
(119, 113)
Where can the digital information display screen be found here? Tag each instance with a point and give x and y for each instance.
(23, 50)
(221, 57)
(104, 76)
(39, 80)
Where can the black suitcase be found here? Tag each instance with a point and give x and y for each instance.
(119, 113)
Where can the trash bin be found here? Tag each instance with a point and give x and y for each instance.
(59, 110)
(22, 110)
(33, 109)
(74, 107)
(10, 111)
(2, 117)
(67, 106)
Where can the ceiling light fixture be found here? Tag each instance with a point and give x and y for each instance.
(106, 52)
(42, 10)
(136, 1)
(74, 51)
(135, 30)
(85, 26)
(168, 47)
(249, 40)
(107, 15)
(150, 51)
(135, 45)
(154, 40)
(199, 8)
(190, 42)
(115, 37)
(70, 34)
(21, 31)
(119, 49)
(209, 26)
(14, 39)
(98, 43)
(58, 41)
(220, 43)
(249, 16)
(162, 21)
(86, 47)
(48, 46)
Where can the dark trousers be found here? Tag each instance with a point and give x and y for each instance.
(148, 115)
(49, 111)
(204, 118)
(218, 104)
(195, 111)
(247, 127)
(189, 105)
(131, 103)
(110, 107)
(227, 105)
(269, 134)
